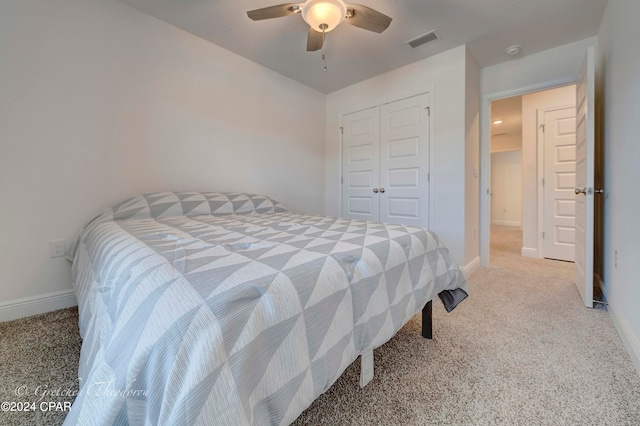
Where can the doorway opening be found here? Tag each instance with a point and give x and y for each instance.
(532, 174)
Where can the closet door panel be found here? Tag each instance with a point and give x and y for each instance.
(404, 161)
(361, 164)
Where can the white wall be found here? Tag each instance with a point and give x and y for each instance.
(444, 76)
(472, 163)
(504, 143)
(101, 102)
(543, 70)
(531, 103)
(554, 67)
(506, 188)
(619, 80)
(507, 135)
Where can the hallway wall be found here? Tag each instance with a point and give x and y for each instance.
(506, 188)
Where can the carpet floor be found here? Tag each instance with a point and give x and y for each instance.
(521, 350)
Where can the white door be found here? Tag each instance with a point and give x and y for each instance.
(559, 183)
(404, 161)
(361, 164)
(585, 160)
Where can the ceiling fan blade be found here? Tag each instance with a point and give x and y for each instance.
(315, 40)
(367, 18)
(274, 11)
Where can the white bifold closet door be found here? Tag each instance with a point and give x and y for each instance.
(385, 166)
(361, 164)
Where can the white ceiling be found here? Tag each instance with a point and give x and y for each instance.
(353, 54)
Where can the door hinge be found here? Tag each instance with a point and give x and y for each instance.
(543, 235)
(542, 127)
(428, 177)
(542, 181)
(341, 180)
(341, 130)
(428, 111)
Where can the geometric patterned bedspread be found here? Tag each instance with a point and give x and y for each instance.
(220, 308)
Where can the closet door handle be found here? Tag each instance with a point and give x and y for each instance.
(375, 190)
(382, 190)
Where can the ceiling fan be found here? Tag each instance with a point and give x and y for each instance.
(324, 15)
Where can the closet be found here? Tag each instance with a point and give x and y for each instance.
(385, 162)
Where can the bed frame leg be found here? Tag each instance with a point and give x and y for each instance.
(427, 320)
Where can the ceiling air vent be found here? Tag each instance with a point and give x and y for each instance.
(424, 39)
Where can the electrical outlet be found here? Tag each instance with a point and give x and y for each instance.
(57, 248)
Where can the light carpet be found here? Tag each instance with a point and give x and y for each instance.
(521, 350)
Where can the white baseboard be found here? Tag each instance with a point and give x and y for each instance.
(529, 252)
(471, 267)
(28, 306)
(513, 223)
(629, 339)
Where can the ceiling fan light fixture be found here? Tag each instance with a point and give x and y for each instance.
(324, 13)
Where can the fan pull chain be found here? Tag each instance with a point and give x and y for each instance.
(324, 49)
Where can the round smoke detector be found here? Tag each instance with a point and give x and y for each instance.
(512, 50)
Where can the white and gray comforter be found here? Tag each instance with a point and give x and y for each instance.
(211, 308)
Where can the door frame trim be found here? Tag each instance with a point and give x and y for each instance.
(540, 144)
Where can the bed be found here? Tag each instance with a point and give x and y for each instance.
(225, 308)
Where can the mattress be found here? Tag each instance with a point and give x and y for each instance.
(225, 308)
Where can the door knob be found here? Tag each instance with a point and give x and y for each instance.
(375, 190)
(581, 191)
(382, 190)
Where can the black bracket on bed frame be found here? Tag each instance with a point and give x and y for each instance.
(427, 320)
